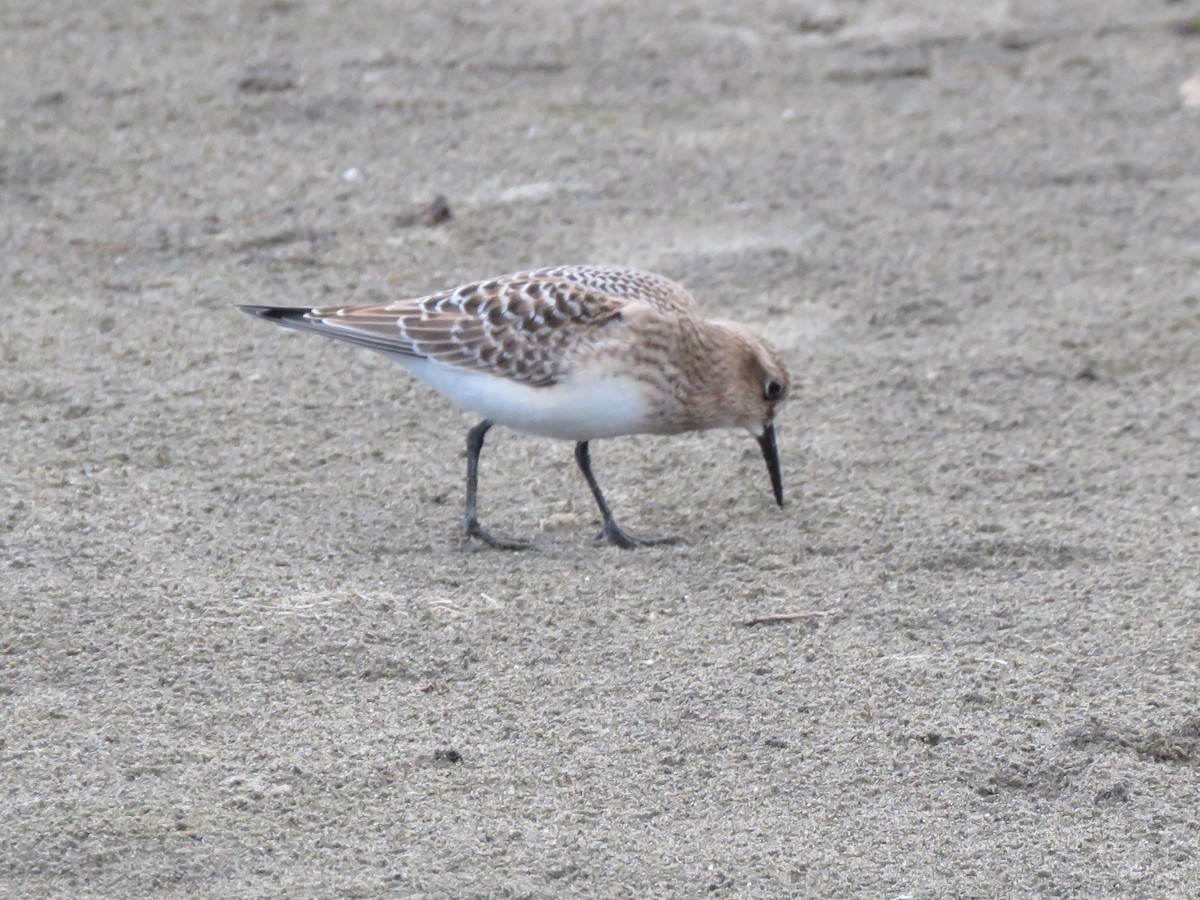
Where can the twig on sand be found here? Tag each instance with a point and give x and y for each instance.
(780, 618)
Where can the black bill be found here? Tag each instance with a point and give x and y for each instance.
(771, 454)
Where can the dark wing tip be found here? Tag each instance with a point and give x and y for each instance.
(276, 313)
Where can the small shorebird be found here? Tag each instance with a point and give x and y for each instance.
(576, 353)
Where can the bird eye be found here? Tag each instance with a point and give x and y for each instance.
(773, 390)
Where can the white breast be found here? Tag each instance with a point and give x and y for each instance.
(577, 409)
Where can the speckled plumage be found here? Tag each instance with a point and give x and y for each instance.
(574, 352)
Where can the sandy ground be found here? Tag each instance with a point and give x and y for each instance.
(243, 650)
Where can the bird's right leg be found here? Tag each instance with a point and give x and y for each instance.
(470, 520)
(612, 533)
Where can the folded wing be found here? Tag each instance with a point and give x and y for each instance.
(521, 327)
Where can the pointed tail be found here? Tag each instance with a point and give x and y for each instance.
(281, 314)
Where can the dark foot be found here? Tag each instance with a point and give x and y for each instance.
(473, 529)
(470, 520)
(612, 534)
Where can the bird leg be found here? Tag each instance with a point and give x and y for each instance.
(612, 532)
(470, 520)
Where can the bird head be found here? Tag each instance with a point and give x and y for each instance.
(754, 386)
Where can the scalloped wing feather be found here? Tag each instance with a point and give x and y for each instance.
(522, 327)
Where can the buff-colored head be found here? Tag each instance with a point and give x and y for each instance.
(754, 385)
(752, 381)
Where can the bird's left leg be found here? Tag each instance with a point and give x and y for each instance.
(470, 519)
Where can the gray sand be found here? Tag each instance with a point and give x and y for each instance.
(244, 651)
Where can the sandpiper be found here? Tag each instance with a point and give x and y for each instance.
(575, 353)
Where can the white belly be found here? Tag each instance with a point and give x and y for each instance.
(578, 409)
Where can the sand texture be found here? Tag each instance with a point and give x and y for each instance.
(243, 650)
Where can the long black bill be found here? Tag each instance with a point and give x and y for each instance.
(771, 454)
